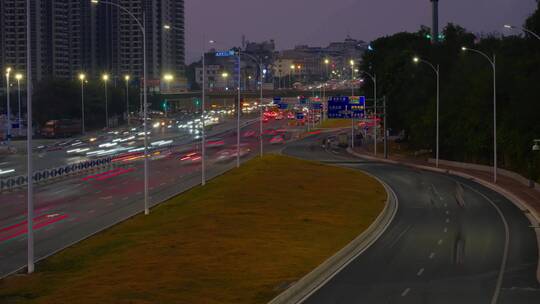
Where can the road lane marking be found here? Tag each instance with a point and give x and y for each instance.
(448, 220)
(163, 184)
(447, 212)
(106, 198)
(405, 292)
(445, 205)
(420, 272)
(500, 277)
(431, 255)
(440, 242)
(92, 211)
(125, 198)
(445, 229)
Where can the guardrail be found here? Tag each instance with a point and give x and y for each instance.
(46, 175)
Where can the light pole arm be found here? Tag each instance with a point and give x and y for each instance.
(124, 10)
(483, 54)
(435, 69)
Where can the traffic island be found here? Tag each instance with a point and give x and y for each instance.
(243, 238)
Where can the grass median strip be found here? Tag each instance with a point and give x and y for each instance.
(336, 123)
(243, 238)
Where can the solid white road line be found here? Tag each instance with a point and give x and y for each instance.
(420, 272)
(405, 292)
(497, 291)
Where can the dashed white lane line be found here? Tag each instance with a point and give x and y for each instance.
(125, 183)
(138, 193)
(162, 184)
(432, 255)
(440, 242)
(448, 220)
(420, 272)
(445, 229)
(405, 292)
(92, 211)
(445, 205)
(125, 198)
(106, 198)
(447, 212)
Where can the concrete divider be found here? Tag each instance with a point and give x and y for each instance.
(52, 174)
(317, 278)
(513, 175)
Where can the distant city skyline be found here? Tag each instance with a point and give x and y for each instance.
(318, 22)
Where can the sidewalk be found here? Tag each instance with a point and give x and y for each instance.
(530, 197)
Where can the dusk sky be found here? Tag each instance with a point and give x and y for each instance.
(317, 22)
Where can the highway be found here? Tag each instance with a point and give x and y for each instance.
(438, 249)
(74, 208)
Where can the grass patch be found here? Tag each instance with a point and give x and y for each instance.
(243, 238)
(336, 123)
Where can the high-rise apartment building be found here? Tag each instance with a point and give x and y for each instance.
(73, 36)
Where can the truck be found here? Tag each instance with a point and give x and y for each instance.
(61, 128)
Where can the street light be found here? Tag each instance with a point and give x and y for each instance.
(126, 78)
(262, 72)
(352, 77)
(145, 107)
(292, 68)
(508, 26)
(105, 78)
(19, 77)
(437, 73)
(82, 78)
(374, 79)
(29, 134)
(493, 63)
(8, 71)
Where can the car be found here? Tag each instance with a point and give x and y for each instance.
(229, 154)
(249, 133)
(279, 117)
(266, 119)
(215, 143)
(278, 139)
(191, 158)
(270, 132)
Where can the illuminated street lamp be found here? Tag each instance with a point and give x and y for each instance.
(508, 26)
(292, 68)
(82, 78)
(374, 79)
(352, 76)
(493, 62)
(19, 77)
(145, 92)
(127, 78)
(8, 71)
(436, 69)
(105, 79)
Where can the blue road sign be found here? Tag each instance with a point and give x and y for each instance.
(345, 107)
(299, 115)
(225, 53)
(316, 106)
(283, 106)
(277, 99)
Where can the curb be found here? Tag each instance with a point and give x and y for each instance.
(528, 211)
(318, 277)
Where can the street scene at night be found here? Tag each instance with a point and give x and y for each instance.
(200, 151)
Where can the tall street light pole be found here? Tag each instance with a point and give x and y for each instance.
(238, 110)
(82, 78)
(374, 79)
(352, 77)
(105, 80)
(493, 63)
(261, 71)
(8, 71)
(19, 77)
(126, 78)
(29, 133)
(436, 69)
(508, 26)
(145, 102)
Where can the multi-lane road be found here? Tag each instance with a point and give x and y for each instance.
(74, 208)
(451, 241)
